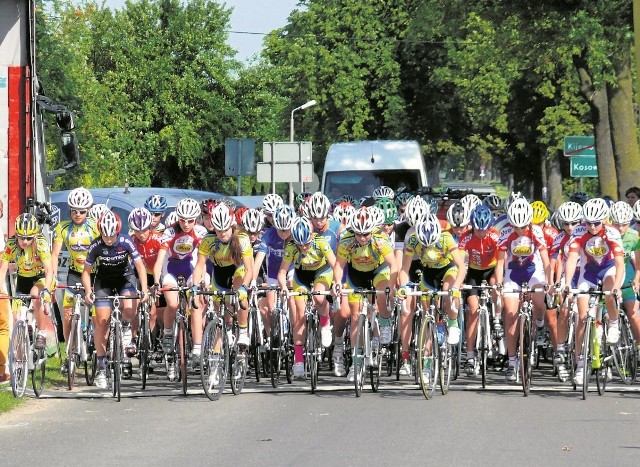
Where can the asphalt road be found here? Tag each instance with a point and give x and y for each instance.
(291, 426)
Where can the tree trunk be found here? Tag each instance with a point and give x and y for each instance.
(554, 181)
(623, 130)
(543, 187)
(598, 103)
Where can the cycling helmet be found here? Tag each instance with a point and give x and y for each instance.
(520, 213)
(579, 197)
(96, 211)
(540, 212)
(416, 211)
(470, 201)
(555, 220)
(512, 197)
(570, 212)
(363, 221)
(432, 203)
(231, 204)
(283, 217)
(429, 231)
(207, 205)
(301, 198)
(318, 206)
(595, 210)
(636, 211)
(271, 202)
(221, 217)
(402, 199)
(27, 225)
(109, 224)
(156, 204)
(171, 219)
(302, 231)
(348, 199)
(80, 198)
(252, 221)
(389, 210)
(621, 213)
(366, 201)
(377, 214)
(237, 215)
(383, 192)
(188, 208)
(458, 215)
(343, 212)
(481, 217)
(140, 219)
(493, 202)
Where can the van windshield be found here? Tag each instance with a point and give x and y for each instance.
(359, 183)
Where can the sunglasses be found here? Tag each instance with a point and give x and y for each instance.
(26, 238)
(570, 224)
(157, 214)
(620, 225)
(594, 224)
(188, 221)
(79, 211)
(390, 224)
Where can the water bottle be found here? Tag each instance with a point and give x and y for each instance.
(441, 332)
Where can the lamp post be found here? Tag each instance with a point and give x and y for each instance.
(306, 105)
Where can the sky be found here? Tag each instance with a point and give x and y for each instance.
(249, 15)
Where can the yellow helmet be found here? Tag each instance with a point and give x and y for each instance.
(27, 225)
(540, 212)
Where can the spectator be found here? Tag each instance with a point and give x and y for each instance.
(633, 195)
(4, 318)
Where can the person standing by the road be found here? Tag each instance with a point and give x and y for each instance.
(4, 317)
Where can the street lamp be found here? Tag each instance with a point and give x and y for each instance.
(306, 105)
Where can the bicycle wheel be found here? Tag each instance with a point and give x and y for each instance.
(525, 343)
(625, 356)
(393, 347)
(587, 357)
(117, 360)
(19, 355)
(144, 350)
(238, 370)
(358, 356)
(72, 352)
(91, 365)
(570, 349)
(311, 353)
(398, 357)
(213, 362)
(255, 343)
(182, 354)
(288, 358)
(457, 353)
(374, 371)
(275, 348)
(39, 371)
(447, 357)
(415, 344)
(605, 361)
(427, 361)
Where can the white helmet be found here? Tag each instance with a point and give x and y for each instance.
(636, 210)
(80, 198)
(470, 201)
(428, 232)
(362, 221)
(283, 217)
(512, 197)
(595, 210)
(188, 208)
(458, 215)
(171, 219)
(221, 218)
(271, 202)
(377, 214)
(416, 211)
(109, 224)
(318, 206)
(520, 213)
(621, 213)
(570, 212)
(383, 192)
(97, 210)
(343, 212)
(140, 219)
(252, 221)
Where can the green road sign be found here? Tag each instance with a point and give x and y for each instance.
(584, 166)
(579, 146)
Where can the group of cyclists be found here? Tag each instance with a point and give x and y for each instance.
(390, 242)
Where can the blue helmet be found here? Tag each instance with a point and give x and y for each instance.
(431, 202)
(156, 204)
(481, 217)
(302, 231)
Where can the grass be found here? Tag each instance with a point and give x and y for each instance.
(53, 380)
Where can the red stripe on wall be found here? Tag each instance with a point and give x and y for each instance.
(18, 160)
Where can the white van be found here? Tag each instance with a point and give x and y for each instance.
(359, 167)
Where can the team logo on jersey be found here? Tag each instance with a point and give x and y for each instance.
(597, 248)
(522, 246)
(183, 245)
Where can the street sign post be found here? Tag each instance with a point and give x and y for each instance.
(579, 146)
(584, 166)
(239, 159)
(289, 161)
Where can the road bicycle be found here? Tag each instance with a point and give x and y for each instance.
(625, 352)
(79, 328)
(256, 333)
(144, 344)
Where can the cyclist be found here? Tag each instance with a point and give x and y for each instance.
(314, 261)
(522, 258)
(383, 192)
(401, 201)
(270, 203)
(232, 257)
(117, 260)
(97, 210)
(501, 221)
(75, 235)
(179, 248)
(372, 264)
(157, 205)
(29, 250)
(458, 217)
(390, 216)
(494, 203)
(481, 245)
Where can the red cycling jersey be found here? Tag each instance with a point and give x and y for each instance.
(149, 249)
(550, 234)
(483, 252)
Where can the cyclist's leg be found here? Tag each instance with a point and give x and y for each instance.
(197, 319)
(101, 332)
(169, 311)
(631, 308)
(299, 324)
(322, 283)
(510, 303)
(451, 306)
(381, 281)
(608, 284)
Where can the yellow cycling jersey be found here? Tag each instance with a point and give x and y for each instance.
(220, 253)
(365, 257)
(30, 261)
(435, 256)
(76, 238)
(312, 259)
